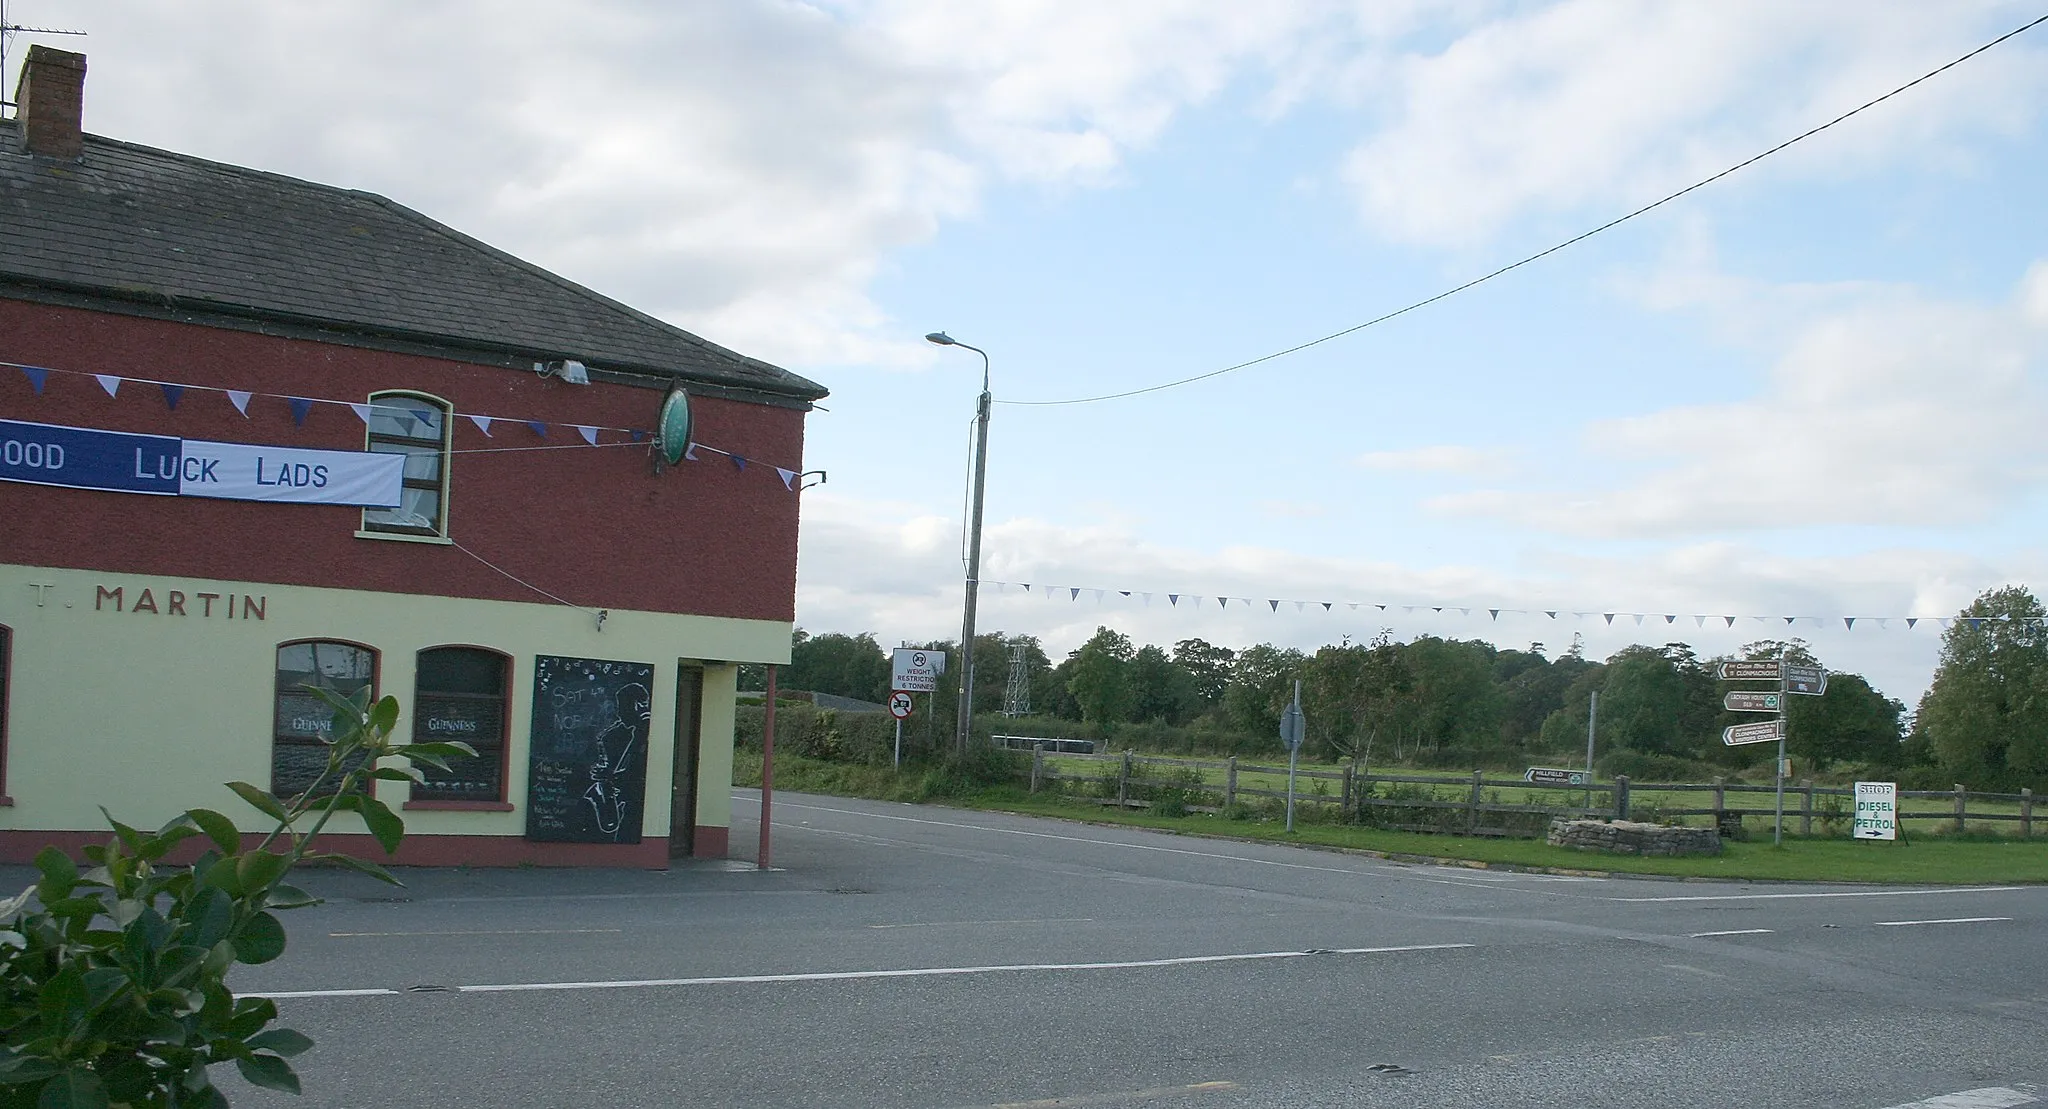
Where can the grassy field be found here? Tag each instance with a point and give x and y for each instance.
(1971, 859)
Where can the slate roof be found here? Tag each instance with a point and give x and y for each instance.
(152, 226)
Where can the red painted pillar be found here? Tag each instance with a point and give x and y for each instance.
(767, 766)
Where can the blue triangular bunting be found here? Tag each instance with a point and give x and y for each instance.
(36, 377)
(172, 394)
(300, 407)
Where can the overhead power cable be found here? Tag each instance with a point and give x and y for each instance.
(1545, 253)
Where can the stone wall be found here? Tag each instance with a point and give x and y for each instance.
(1623, 837)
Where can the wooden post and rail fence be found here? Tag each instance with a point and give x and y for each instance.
(1461, 803)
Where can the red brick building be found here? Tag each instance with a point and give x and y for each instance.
(536, 553)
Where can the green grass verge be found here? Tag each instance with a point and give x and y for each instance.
(1923, 859)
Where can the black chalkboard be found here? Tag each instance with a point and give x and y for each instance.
(587, 779)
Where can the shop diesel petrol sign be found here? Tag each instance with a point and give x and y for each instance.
(165, 465)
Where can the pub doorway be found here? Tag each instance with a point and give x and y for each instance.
(682, 809)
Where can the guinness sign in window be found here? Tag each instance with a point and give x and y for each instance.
(302, 729)
(460, 697)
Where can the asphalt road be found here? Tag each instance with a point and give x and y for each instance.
(927, 957)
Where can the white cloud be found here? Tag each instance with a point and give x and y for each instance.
(1292, 510)
(1892, 410)
(1615, 103)
(746, 169)
(1443, 459)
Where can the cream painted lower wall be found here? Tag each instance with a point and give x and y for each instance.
(149, 713)
(714, 757)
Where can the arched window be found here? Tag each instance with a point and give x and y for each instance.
(416, 426)
(461, 694)
(304, 723)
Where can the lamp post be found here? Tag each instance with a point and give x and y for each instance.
(966, 717)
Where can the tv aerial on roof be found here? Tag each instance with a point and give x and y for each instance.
(9, 28)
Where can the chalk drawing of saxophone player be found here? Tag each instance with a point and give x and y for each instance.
(614, 758)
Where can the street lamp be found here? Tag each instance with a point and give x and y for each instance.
(966, 717)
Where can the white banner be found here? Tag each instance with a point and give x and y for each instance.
(247, 472)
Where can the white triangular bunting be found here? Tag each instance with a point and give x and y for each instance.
(110, 382)
(589, 433)
(362, 412)
(483, 424)
(240, 399)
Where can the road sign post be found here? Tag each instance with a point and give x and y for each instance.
(900, 705)
(1778, 829)
(1291, 732)
(1792, 677)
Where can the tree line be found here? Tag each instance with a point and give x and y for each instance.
(1465, 702)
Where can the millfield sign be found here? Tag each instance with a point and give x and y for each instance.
(167, 466)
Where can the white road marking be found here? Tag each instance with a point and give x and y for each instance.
(486, 932)
(854, 975)
(1734, 932)
(1688, 970)
(1988, 1097)
(937, 972)
(1950, 920)
(967, 923)
(274, 994)
(1118, 1098)
(1799, 896)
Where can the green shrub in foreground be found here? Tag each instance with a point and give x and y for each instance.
(113, 980)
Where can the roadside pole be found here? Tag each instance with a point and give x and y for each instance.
(1778, 832)
(767, 767)
(900, 705)
(1291, 731)
(1592, 718)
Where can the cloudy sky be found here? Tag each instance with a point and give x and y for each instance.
(1814, 388)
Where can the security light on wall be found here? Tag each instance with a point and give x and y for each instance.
(568, 369)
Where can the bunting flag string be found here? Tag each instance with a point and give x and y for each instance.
(302, 407)
(1493, 614)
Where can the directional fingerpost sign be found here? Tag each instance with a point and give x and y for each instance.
(1809, 680)
(1763, 731)
(1748, 700)
(900, 704)
(1552, 776)
(1760, 670)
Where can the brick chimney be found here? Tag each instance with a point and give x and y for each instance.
(50, 103)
